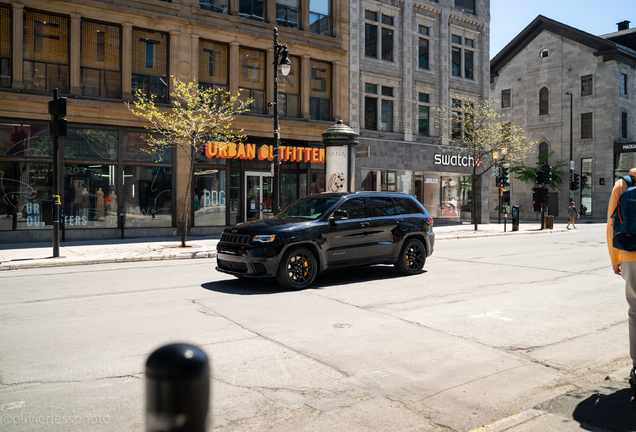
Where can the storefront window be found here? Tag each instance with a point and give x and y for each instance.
(235, 197)
(147, 197)
(288, 189)
(388, 180)
(25, 185)
(586, 186)
(429, 192)
(450, 196)
(89, 197)
(317, 182)
(209, 197)
(623, 162)
(25, 140)
(91, 144)
(136, 148)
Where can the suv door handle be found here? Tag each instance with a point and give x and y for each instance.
(364, 224)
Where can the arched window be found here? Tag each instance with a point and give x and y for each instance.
(544, 100)
(543, 152)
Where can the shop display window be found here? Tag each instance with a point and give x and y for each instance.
(288, 189)
(89, 199)
(210, 197)
(137, 148)
(317, 182)
(26, 187)
(388, 180)
(25, 140)
(586, 187)
(91, 144)
(148, 200)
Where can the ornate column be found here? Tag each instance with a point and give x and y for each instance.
(126, 61)
(18, 43)
(75, 38)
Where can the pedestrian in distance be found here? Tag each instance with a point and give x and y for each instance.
(624, 264)
(572, 213)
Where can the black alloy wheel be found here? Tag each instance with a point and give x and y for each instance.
(298, 269)
(412, 258)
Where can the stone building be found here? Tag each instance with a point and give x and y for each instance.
(554, 80)
(98, 53)
(406, 59)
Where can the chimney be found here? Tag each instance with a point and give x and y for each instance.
(624, 25)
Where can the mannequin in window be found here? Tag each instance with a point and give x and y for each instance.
(99, 203)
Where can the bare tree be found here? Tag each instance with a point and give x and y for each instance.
(474, 128)
(196, 116)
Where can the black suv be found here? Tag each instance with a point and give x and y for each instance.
(329, 231)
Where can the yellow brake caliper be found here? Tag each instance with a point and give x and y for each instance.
(305, 270)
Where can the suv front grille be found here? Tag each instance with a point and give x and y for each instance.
(235, 239)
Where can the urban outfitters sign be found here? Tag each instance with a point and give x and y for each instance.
(264, 152)
(456, 160)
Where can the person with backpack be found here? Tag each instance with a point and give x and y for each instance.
(572, 213)
(621, 220)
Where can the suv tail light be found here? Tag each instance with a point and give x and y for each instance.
(430, 220)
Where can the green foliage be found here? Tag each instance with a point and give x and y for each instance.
(528, 175)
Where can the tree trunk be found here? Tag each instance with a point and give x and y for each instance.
(186, 209)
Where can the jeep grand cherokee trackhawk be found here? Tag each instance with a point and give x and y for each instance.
(329, 231)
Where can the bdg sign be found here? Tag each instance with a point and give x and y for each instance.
(456, 160)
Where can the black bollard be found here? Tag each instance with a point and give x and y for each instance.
(177, 389)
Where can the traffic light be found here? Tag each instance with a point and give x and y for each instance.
(539, 177)
(547, 175)
(57, 125)
(575, 182)
(498, 181)
(504, 175)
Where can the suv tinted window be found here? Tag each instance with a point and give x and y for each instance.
(406, 206)
(354, 207)
(381, 206)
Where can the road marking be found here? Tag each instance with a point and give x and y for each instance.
(381, 374)
(492, 314)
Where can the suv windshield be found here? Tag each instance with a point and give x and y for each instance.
(311, 207)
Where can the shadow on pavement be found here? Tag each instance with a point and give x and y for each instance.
(246, 286)
(613, 412)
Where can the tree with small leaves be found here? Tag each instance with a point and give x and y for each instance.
(528, 174)
(196, 116)
(476, 129)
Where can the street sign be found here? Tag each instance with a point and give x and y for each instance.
(571, 194)
(495, 171)
(571, 165)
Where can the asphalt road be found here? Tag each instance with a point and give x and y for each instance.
(493, 327)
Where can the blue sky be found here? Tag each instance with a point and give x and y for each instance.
(510, 17)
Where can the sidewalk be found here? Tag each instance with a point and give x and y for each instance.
(39, 255)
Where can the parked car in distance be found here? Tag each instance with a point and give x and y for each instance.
(329, 231)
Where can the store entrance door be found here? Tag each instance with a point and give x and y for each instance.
(258, 199)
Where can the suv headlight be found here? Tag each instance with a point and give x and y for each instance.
(263, 238)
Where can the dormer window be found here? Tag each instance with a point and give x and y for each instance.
(544, 54)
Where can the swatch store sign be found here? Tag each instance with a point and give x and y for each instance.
(456, 160)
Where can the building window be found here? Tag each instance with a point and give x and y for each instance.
(423, 112)
(624, 84)
(24, 186)
(506, 101)
(150, 65)
(289, 91)
(101, 60)
(624, 125)
(5, 47)
(370, 113)
(423, 47)
(287, 13)
(252, 9)
(252, 78)
(218, 6)
(544, 101)
(320, 94)
(544, 54)
(465, 5)
(586, 126)
(543, 151)
(371, 36)
(209, 201)
(586, 187)
(459, 53)
(461, 119)
(371, 102)
(386, 118)
(46, 60)
(587, 85)
(213, 67)
(320, 17)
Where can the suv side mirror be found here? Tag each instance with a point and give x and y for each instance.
(339, 215)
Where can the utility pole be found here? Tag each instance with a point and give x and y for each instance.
(57, 129)
(571, 157)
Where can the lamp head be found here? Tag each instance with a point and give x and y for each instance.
(285, 63)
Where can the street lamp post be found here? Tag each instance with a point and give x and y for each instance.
(280, 59)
